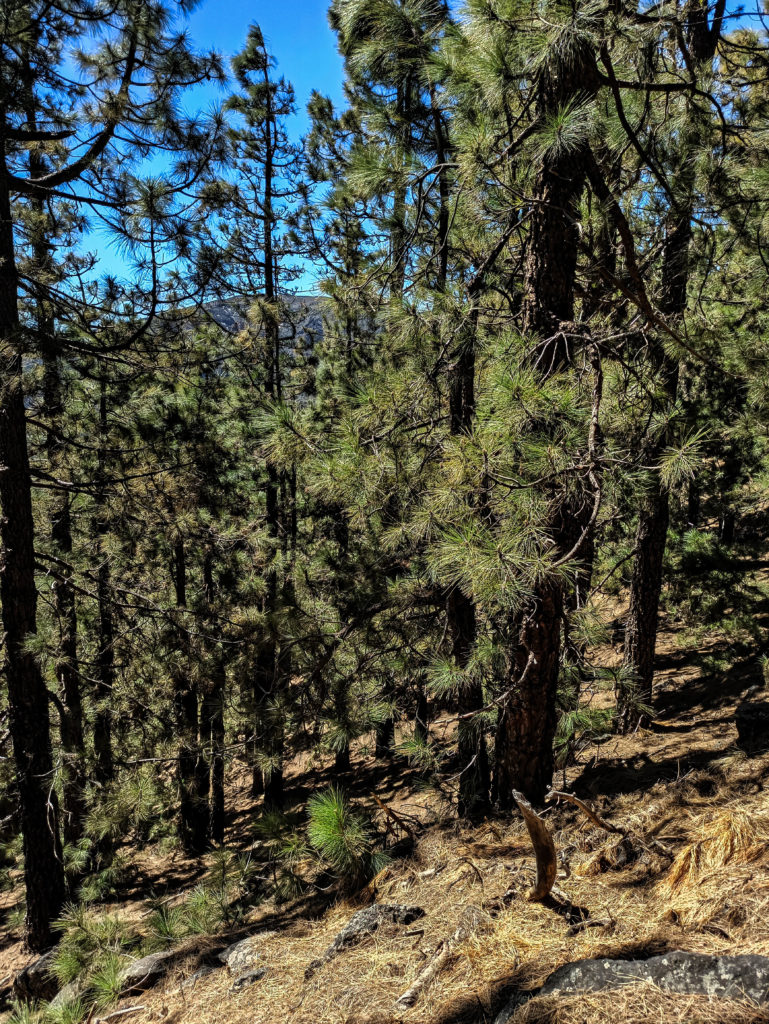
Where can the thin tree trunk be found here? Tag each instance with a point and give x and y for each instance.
(105, 654)
(191, 768)
(66, 664)
(213, 718)
(384, 731)
(27, 692)
(651, 534)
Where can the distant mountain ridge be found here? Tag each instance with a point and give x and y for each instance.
(305, 316)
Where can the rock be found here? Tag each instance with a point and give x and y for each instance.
(719, 977)
(241, 956)
(366, 922)
(752, 721)
(36, 981)
(248, 978)
(146, 972)
(69, 994)
(201, 972)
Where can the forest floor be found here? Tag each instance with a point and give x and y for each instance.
(681, 786)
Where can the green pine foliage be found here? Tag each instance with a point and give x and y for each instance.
(522, 415)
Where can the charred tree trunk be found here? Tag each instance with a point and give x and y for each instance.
(27, 692)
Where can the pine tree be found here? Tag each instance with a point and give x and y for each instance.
(139, 48)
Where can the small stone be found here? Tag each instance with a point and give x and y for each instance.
(365, 922)
(248, 978)
(200, 973)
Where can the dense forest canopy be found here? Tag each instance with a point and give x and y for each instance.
(242, 524)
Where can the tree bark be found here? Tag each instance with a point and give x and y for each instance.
(651, 534)
(27, 692)
(105, 654)
(472, 754)
(191, 768)
(527, 721)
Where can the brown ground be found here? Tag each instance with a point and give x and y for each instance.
(681, 785)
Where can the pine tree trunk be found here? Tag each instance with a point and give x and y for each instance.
(528, 720)
(473, 759)
(422, 716)
(27, 692)
(651, 534)
(472, 755)
(105, 654)
(527, 723)
(191, 769)
(66, 666)
(213, 714)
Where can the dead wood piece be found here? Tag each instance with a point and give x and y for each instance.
(119, 1013)
(591, 922)
(440, 958)
(365, 922)
(396, 818)
(544, 849)
(596, 818)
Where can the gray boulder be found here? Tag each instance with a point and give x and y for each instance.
(720, 977)
(36, 981)
(242, 956)
(146, 972)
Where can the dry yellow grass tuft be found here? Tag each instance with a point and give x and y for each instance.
(731, 835)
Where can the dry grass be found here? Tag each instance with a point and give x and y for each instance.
(711, 895)
(722, 906)
(730, 835)
(639, 1004)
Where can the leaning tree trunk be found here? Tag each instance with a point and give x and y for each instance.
(27, 692)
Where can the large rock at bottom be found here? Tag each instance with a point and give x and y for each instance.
(36, 981)
(146, 972)
(720, 977)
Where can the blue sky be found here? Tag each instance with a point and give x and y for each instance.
(296, 32)
(298, 36)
